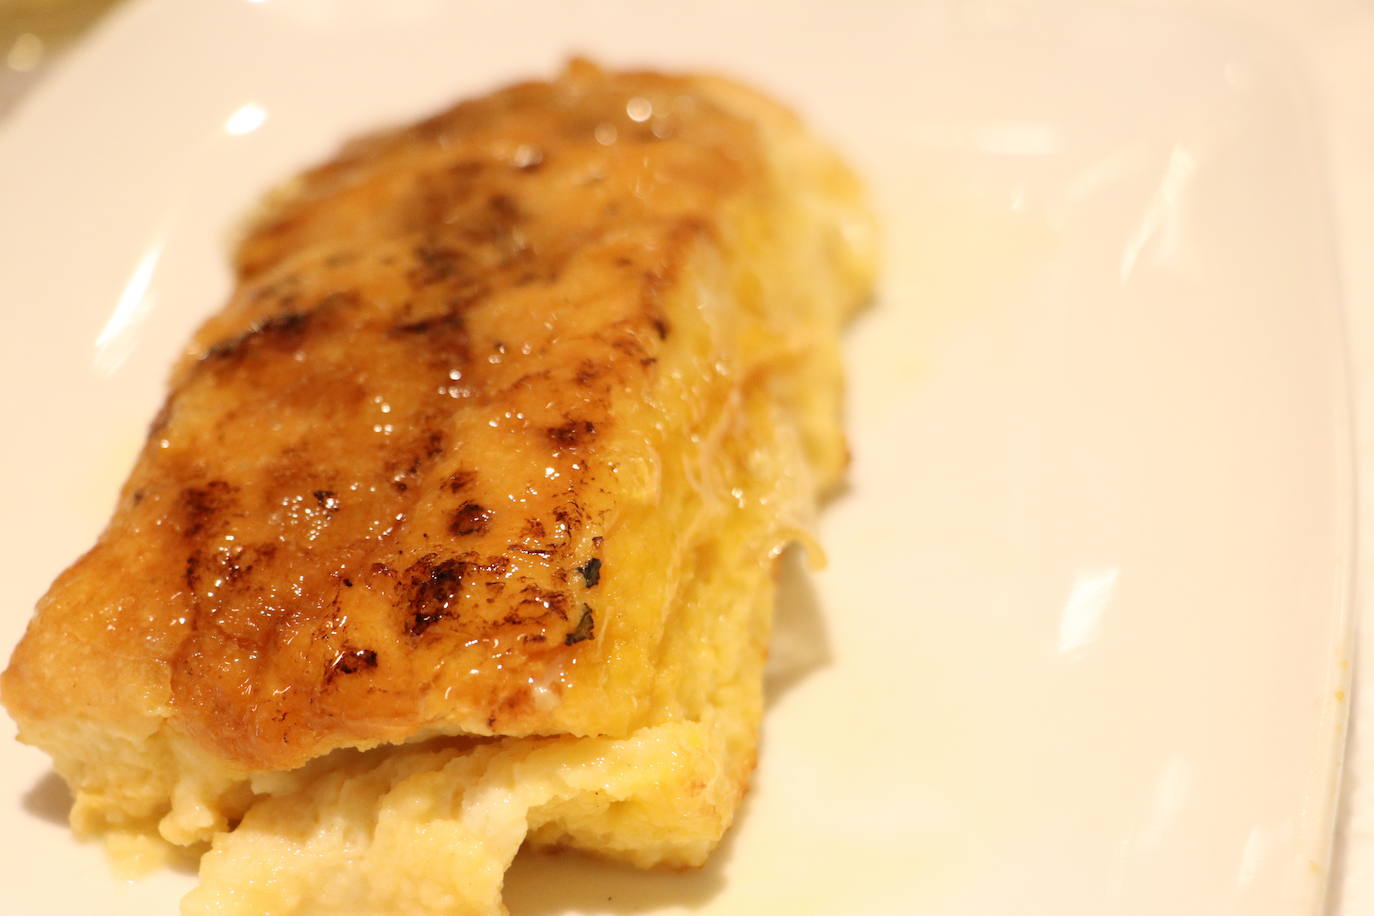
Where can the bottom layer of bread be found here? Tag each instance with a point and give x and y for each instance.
(432, 829)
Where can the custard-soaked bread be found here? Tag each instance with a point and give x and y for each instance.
(459, 522)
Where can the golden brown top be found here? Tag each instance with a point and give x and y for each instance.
(377, 497)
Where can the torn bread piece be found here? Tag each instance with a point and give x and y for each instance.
(458, 526)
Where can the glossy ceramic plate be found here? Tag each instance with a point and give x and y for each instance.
(1082, 643)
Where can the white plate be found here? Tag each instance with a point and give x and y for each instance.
(1082, 643)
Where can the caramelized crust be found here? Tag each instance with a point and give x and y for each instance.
(397, 488)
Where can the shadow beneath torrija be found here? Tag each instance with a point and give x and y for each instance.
(49, 799)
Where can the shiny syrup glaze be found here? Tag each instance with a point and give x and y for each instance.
(383, 458)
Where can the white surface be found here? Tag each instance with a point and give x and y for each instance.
(1084, 625)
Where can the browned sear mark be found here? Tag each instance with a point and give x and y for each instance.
(432, 591)
(470, 518)
(450, 320)
(286, 328)
(201, 506)
(572, 432)
(434, 264)
(351, 660)
(460, 480)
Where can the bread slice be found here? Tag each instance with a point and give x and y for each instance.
(459, 522)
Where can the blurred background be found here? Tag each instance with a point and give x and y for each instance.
(33, 33)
